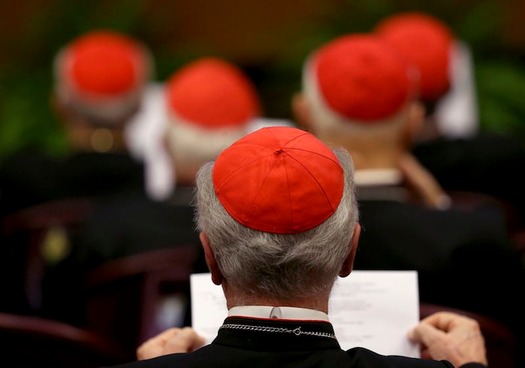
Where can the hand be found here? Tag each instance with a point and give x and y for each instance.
(422, 183)
(173, 340)
(452, 337)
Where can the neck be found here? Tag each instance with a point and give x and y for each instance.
(278, 312)
(316, 302)
(380, 160)
(371, 151)
(101, 140)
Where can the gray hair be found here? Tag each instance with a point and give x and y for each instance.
(284, 266)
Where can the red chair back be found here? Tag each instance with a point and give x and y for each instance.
(128, 297)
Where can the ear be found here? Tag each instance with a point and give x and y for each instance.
(216, 274)
(416, 120)
(348, 264)
(301, 111)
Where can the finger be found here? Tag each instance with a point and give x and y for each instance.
(186, 340)
(447, 321)
(178, 344)
(425, 334)
(149, 350)
(198, 340)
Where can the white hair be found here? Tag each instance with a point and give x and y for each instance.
(195, 145)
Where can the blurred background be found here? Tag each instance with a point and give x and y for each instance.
(269, 39)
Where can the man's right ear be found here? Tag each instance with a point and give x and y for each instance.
(416, 121)
(301, 111)
(216, 274)
(348, 265)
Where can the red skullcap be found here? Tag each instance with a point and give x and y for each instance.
(279, 180)
(213, 94)
(362, 78)
(105, 63)
(426, 42)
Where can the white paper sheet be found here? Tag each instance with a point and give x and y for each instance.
(372, 309)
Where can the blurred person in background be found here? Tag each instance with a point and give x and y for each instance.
(146, 132)
(451, 146)
(360, 94)
(99, 79)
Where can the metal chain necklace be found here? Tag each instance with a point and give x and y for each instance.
(296, 331)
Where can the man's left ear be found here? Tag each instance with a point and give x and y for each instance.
(348, 264)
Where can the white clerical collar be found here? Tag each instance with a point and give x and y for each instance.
(259, 311)
(377, 177)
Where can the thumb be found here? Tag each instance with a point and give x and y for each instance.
(425, 334)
